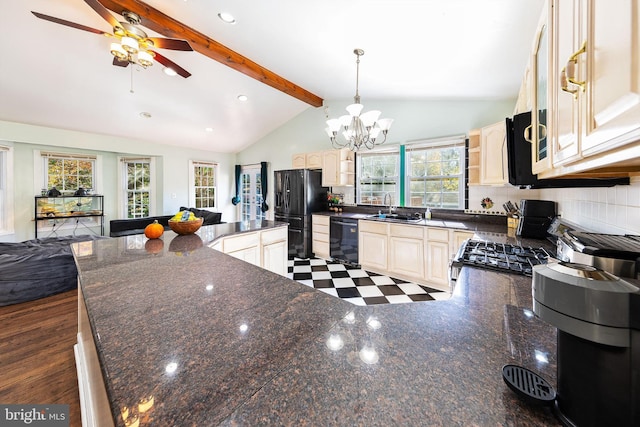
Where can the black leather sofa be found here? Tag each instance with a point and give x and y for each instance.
(126, 227)
(38, 268)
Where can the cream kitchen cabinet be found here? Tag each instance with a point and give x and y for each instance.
(458, 238)
(320, 235)
(307, 160)
(274, 250)
(244, 247)
(437, 255)
(493, 154)
(411, 252)
(587, 51)
(406, 250)
(373, 241)
(338, 168)
(266, 248)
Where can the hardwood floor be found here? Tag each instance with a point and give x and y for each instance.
(37, 364)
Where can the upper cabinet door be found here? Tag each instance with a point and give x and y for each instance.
(564, 120)
(493, 153)
(612, 63)
(537, 133)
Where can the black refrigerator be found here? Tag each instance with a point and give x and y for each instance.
(298, 193)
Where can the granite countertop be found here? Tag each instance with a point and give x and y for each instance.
(218, 341)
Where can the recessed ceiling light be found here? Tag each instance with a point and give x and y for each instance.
(227, 17)
(145, 115)
(208, 129)
(242, 98)
(170, 71)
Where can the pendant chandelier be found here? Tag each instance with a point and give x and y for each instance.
(358, 130)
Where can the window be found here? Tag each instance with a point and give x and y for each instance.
(429, 173)
(203, 184)
(435, 175)
(6, 197)
(378, 174)
(137, 174)
(68, 172)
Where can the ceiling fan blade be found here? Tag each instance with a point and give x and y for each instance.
(119, 63)
(67, 23)
(170, 64)
(104, 12)
(173, 44)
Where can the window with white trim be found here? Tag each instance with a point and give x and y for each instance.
(378, 176)
(202, 182)
(6, 197)
(429, 173)
(68, 172)
(435, 174)
(136, 180)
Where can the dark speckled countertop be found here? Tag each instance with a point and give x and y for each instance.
(218, 341)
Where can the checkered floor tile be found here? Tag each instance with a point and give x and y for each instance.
(358, 286)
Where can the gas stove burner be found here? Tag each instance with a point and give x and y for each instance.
(498, 256)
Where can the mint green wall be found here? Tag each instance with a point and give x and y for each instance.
(172, 167)
(413, 120)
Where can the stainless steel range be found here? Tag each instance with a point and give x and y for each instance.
(503, 257)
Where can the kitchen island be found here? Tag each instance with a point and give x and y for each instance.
(197, 337)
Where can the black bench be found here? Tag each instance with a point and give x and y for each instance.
(126, 227)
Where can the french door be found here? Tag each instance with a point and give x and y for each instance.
(251, 194)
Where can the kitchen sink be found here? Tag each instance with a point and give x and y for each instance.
(396, 217)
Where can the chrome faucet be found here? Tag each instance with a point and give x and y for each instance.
(384, 202)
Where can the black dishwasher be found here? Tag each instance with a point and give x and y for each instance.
(343, 240)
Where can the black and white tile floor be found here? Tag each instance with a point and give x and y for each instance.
(358, 286)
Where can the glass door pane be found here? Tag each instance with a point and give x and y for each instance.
(251, 194)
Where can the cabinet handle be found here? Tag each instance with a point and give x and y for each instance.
(527, 134)
(570, 73)
(541, 135)
(564, 84)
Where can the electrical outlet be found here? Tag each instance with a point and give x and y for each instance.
(173, 195)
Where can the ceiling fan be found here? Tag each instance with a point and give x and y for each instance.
(133, 46)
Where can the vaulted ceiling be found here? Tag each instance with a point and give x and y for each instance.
(284, 55)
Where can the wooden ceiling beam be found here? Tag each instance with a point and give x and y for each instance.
(163, 24)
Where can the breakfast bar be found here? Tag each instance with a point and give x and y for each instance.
(198, 337)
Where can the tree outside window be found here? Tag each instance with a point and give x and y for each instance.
(205, 185)
(138, 192)
(436, 177)
(377, 176)
(69, 174)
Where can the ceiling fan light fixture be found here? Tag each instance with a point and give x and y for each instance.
(227, 17)
(145, 59)
(118, 51)
(130, 44)
(170, 71)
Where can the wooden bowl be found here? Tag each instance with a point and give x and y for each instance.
(185, 227)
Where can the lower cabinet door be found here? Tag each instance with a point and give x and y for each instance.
(249, 255)
(406, 256)
(274, 257)
(373, 250)
(438, 262)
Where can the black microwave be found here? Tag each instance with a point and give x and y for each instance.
(519, 161)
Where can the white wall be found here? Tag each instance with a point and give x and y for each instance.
(413, 120)
(613, 210)
(172, 170)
